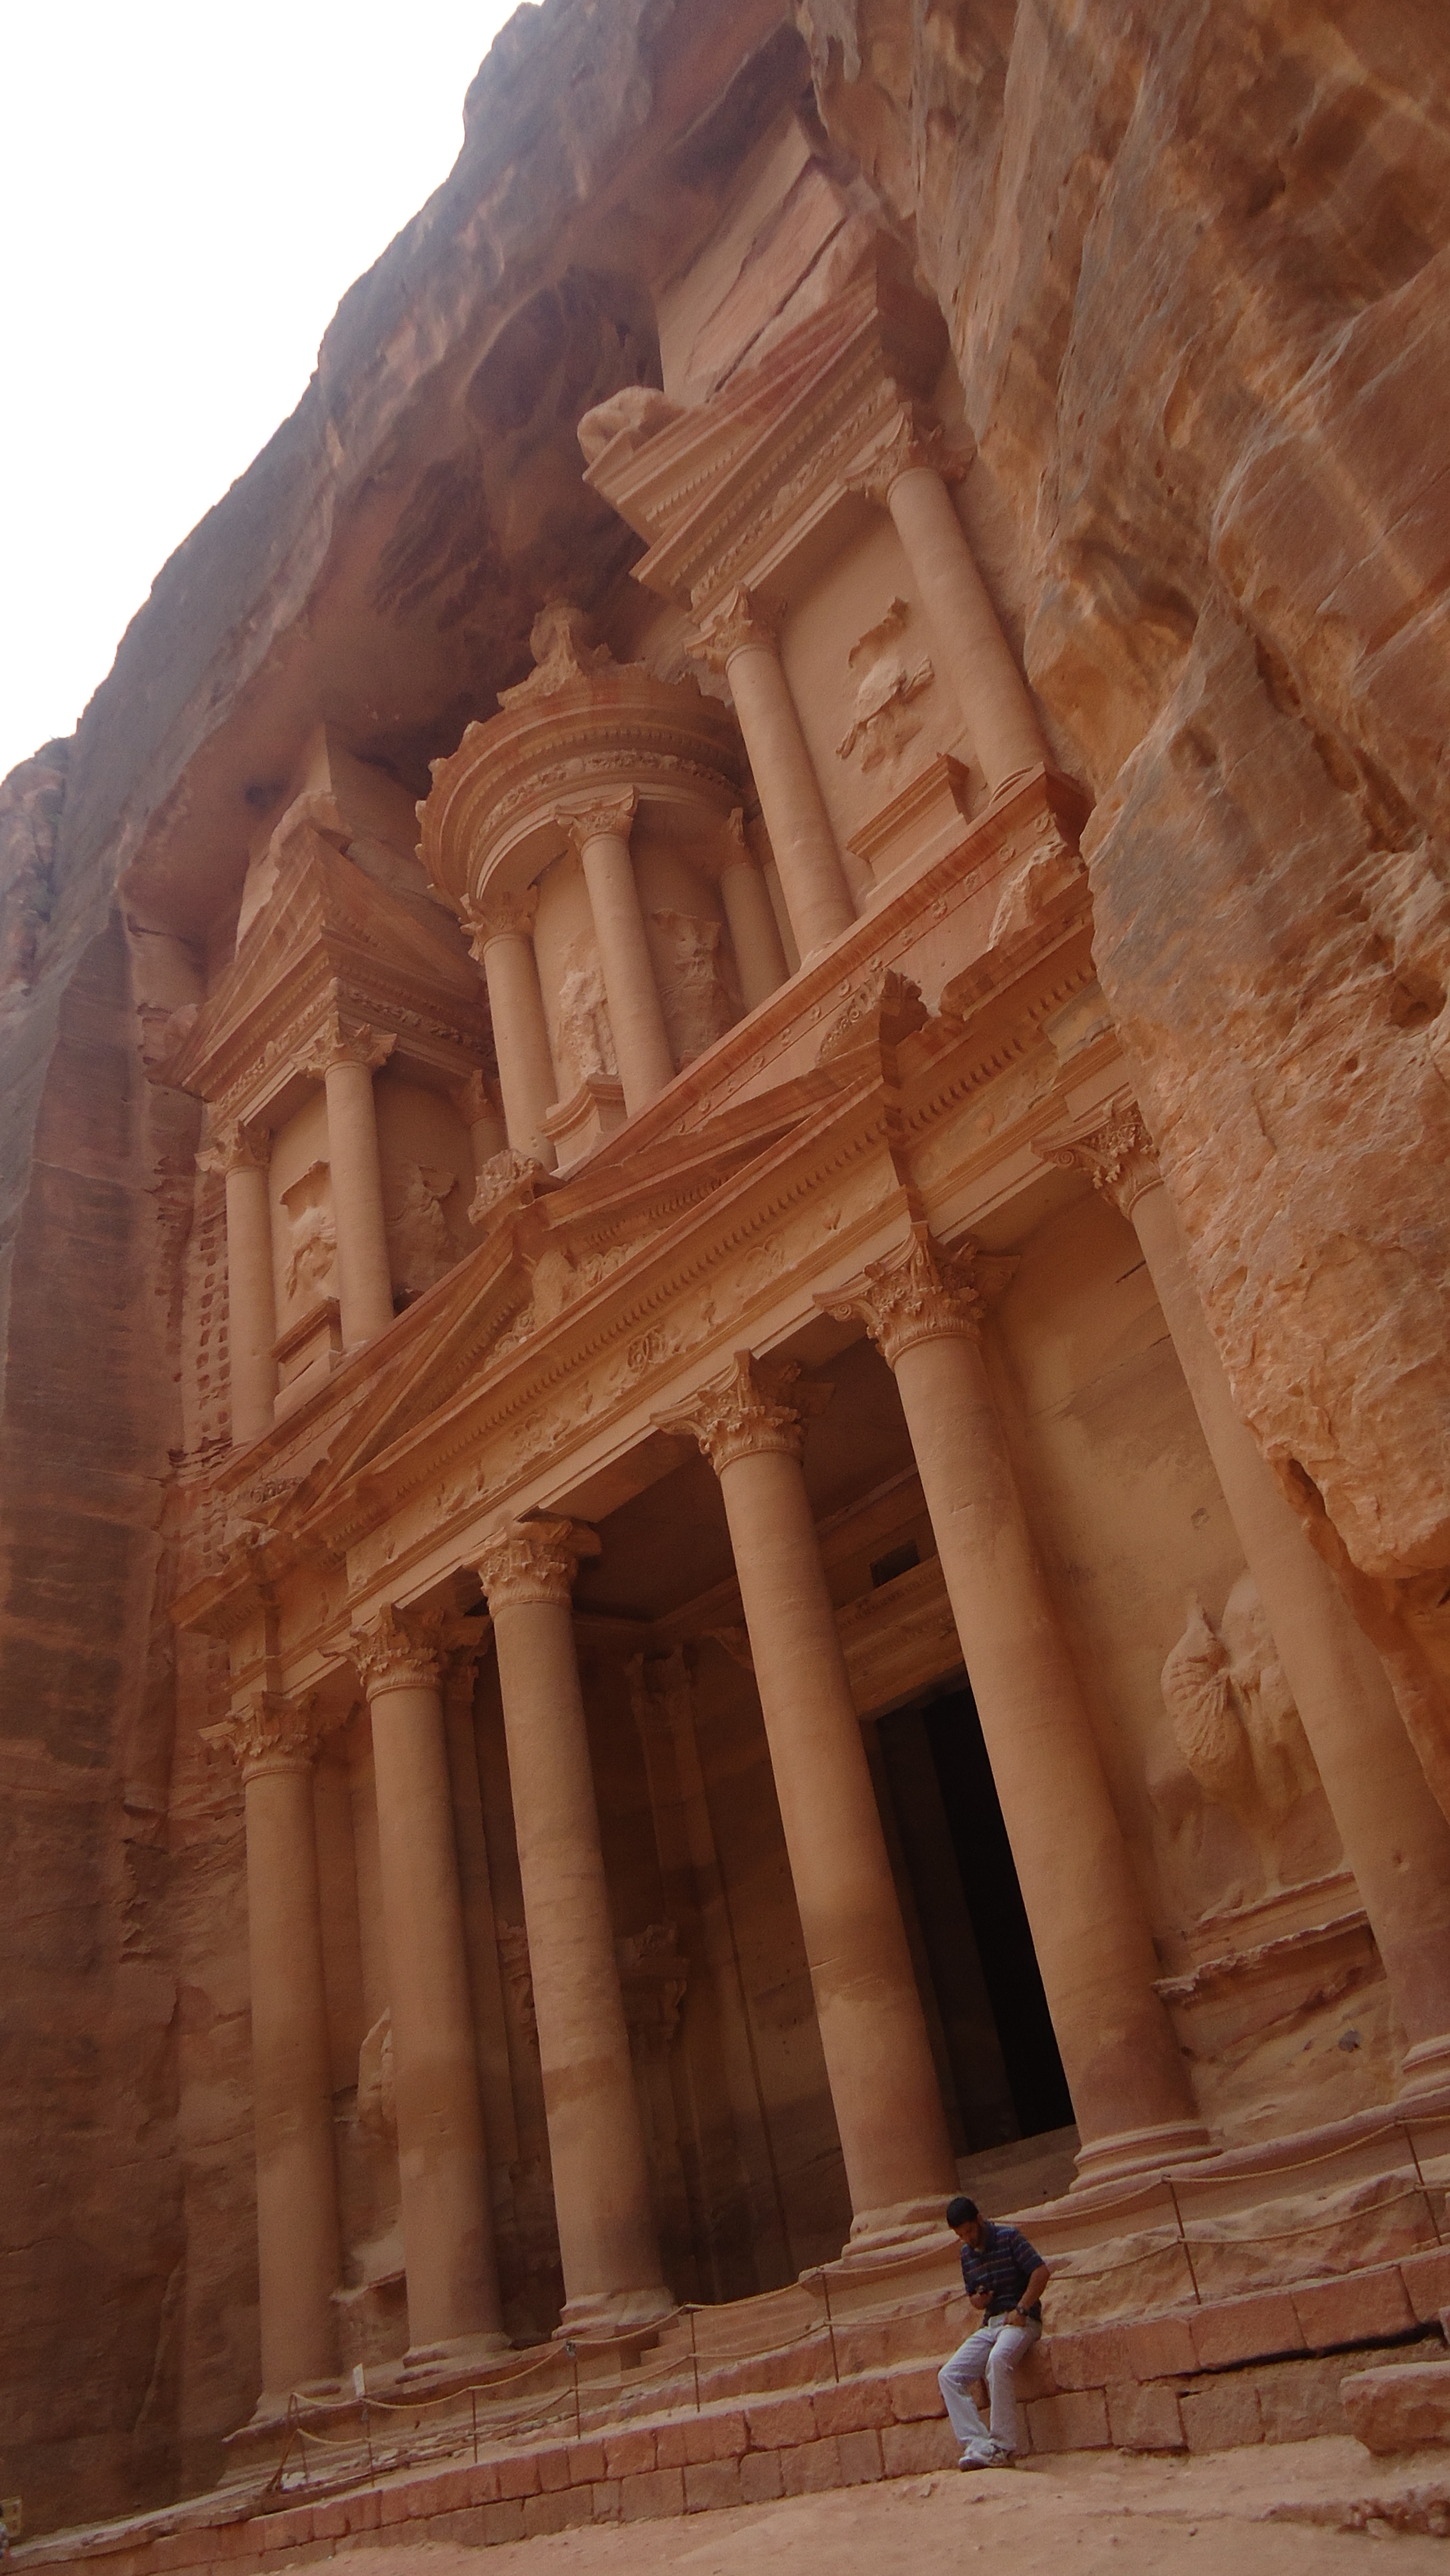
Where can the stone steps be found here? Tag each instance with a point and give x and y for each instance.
(849, 2406)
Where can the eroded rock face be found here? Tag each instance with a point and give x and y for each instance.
(1195, 263)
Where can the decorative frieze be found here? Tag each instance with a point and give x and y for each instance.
(758, 1405)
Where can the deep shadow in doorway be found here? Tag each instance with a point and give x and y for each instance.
(964, 1881)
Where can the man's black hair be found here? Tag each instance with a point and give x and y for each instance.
(961, 2211)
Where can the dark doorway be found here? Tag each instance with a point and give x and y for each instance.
(995, 2023)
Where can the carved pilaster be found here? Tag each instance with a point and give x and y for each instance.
(912, 440)
(919, 1294)
(504, 916)
(1118, 1154)
(741, 620)
(272, 1734)
(758, 1405)
(534, 1561)
(394, 1651)
(592, 817)
(235, 1145)
(341, 1041)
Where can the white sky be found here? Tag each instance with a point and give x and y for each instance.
(186, 193)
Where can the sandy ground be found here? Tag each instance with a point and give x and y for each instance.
(1133, 2517)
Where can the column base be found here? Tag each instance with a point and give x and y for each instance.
(1425, 2070)
(907, 2227)
(613, 2312)
(456, 2352)
(1135, 2151)
(273, 2407)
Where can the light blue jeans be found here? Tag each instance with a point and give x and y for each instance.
(992, 2353)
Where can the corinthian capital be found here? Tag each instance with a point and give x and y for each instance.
(504, 916)
(272, 1734)
(1117, 1154)
(912, 440)
(741, 620)
(590, 818)
(344, 1041)
(534, 1561)
(919, 1294)
(396, 1652)
(757, 1405)
(235, 1145)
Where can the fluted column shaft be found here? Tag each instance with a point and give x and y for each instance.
(888, 2107)
(346, 1061)
(503, 943)
(750, 914)
(298, 2257)
(600, 834)
(448, 2242)
(907, 478)
(1395, 1835)
(740, 640)
(607, 2241)
(242, 1155)
(1130, 2089)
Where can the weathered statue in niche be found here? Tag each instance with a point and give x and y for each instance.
(420, 1240)
(694, 992)
(309, 1271)
(1237, 1799)
(583, 1038)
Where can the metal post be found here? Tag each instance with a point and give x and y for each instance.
(1183, 2240)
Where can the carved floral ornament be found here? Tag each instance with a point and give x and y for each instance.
(504, 916)
(341, 1041)
(757, 1406)
(1118, 1154)
(532, 1561)
(913, 442)
(395, 1651)
(235, 1145)
(740, 622)
(919, 1294)
(271, 1734)
(605, 817)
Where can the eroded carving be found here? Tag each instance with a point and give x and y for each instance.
(888, 678)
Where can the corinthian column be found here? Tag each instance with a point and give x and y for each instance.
(906, 477)
(1395, 1835)
(345, 1061)
(1129, 2085)
(242, 1153)
(502, 935)
(599, 832)
(448, 2245)
(740, 640)
(596, 2144)
(754, 933)
(275, 1743)
(751, 1426)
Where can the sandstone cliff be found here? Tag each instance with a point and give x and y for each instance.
(1193, 259)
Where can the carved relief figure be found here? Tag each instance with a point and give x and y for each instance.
(583, 1038)
(888, 676)
(697, 1003)
(1237, 1732)
(420, 1243)
(310, 1267)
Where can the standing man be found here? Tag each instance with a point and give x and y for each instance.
(1005, 2277)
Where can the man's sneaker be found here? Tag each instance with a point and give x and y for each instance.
(994, 2458)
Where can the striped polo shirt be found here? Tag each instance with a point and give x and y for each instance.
(1002, 2266)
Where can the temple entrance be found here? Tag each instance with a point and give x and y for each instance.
(996, 2046)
